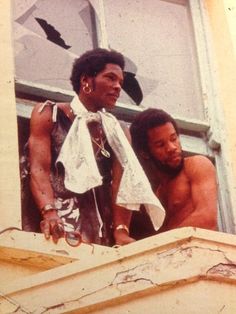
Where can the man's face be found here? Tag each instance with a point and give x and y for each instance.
(106, 86)
(165, 148)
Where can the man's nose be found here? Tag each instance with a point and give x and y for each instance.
(117, 86)
(171, 147)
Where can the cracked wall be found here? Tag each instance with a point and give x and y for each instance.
(164, 271)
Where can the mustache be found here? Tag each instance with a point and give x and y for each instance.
(174, 155)
(166, 169)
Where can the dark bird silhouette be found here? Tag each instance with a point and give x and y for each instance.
(52, 34)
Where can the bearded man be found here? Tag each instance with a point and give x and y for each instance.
(187, 186)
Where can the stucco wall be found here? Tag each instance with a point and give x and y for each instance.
(222, 18)
(9, 163)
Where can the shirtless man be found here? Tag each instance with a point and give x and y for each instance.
(187, 185)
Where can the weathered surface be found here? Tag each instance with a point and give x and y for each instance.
(165, 269)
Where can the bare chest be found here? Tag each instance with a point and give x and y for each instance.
(176, 194)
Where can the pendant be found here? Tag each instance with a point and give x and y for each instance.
(105, 153)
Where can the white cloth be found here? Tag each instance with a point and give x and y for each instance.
(81, 171)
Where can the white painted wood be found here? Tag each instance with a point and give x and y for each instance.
(204, 56)
(195, 145)
(58, 94)
(167, 271)
(101, 23)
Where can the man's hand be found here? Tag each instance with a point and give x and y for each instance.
(121, 237)
(52, 225)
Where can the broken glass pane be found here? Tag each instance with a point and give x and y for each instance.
(48, 36)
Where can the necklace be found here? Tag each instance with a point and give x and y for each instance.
(104, 152)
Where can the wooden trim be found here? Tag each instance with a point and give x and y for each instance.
(126, 111)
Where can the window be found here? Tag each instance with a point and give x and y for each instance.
(168, 62)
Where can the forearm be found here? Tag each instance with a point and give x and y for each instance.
(121, 222)
(41, 189)
(121, 216)
(43, 195)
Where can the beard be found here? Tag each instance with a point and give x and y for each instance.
(166, 169)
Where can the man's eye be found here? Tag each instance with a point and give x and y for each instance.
(159, 145)
(110, 77)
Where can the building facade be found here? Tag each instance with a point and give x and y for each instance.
(180, 56)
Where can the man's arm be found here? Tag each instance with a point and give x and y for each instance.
(40, 164)
(202, 176)
(121, 216)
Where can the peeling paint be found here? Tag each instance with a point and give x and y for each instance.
(226, 270)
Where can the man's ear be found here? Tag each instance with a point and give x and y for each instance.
(86, 80)
(83, 80)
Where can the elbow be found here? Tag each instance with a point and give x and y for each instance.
(211, 222)
(213, 225)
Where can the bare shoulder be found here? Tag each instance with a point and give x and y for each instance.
(41, 119)
(42, 110)
(199, 164)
